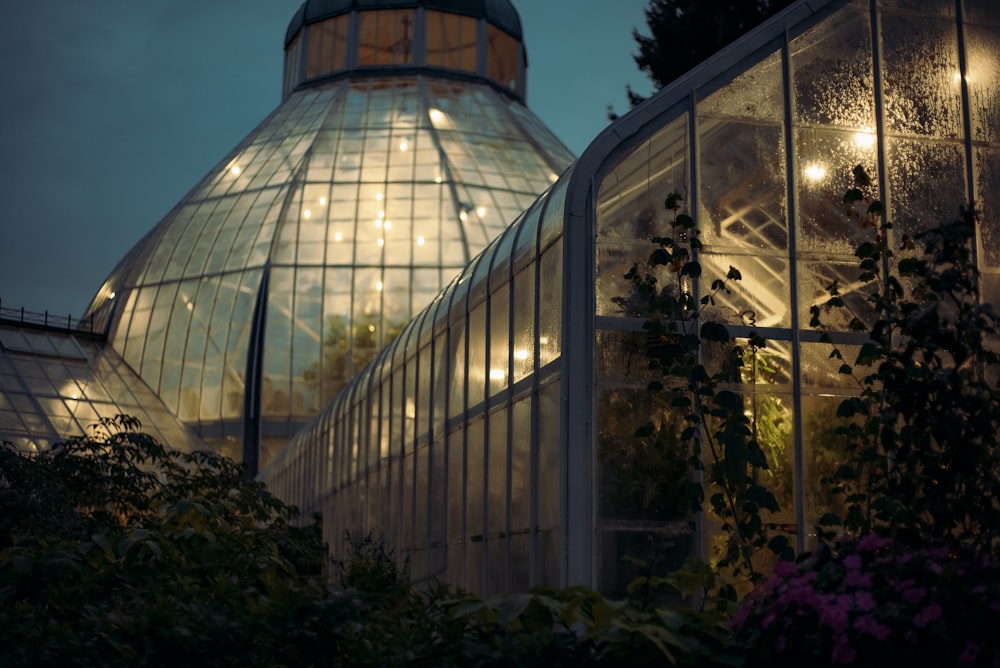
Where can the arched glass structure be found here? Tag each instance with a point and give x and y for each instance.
(308, 247)
(489, 443)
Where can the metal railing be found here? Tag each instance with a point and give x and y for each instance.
(46, 320)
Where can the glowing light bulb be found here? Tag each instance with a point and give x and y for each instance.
(436, 115)
(235, 170)
(864, 139)
(463, 215)
(378, 286)
(380, 242)
(497, 374)
(815, 172)
(481, 211)
(403, 145)
(338, 237)
(322, 201)
(371, 328)
(521, 355)
(378, 197)
(544, 340)
(378, 223)
(112, 295)
(307, 214)
(388, 225)
(420, 241)
(437, 179)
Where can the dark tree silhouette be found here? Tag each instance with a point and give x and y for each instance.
(683, 33)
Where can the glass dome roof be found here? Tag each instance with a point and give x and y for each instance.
(308, 247)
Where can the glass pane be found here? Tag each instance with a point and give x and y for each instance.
(983, 78)
(826, 160)
(927, 183)
(832, 65)
(922, 81)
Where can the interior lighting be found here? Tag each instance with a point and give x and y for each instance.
(235, 170)
(371, 328)
(403, 145)
(420, 241)
(521, 354)
(112, 295)
(378, 287)
(338, 237)
(378, 197)
(463, 215)
(497, 374)
(380, 242)
(436, 115)
(322, 201)
(864, 139)
(307, 214)
(378, 223)
(815, 172)
(553, 177)
(437, 179)
(388, 225)
(481, 211)
(544, 340)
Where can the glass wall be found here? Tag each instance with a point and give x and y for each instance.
(539, 359)
(444, 446)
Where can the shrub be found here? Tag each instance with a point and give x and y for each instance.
(873, 602)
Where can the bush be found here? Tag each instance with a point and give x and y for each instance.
(871, 602)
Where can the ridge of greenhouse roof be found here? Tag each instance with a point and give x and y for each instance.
(500, 13)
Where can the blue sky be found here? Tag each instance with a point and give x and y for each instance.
(112, 110)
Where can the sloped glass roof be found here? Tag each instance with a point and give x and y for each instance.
(55, 385)
(304, 251)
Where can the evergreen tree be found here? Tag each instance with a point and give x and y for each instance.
(683, 33)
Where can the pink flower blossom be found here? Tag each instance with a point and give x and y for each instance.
(928, 615)
(868, 625)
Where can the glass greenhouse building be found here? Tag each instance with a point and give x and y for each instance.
(490, 443)
(401, 148)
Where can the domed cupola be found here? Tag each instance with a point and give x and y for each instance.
(482, 39)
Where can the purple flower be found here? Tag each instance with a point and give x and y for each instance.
(864, 601)
(928, 615)
(852, 562)
(872, 543)
(969, 654)
(867, 624)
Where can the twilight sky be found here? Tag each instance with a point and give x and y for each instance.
(111, 110)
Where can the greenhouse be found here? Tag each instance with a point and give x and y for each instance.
(490, 444)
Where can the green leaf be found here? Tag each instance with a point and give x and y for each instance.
(853, 195)
(714, 331)
(692, 269)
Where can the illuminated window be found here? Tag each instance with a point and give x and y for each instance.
(327, 47)
(386, 38)
(451, 41)
(502, 57)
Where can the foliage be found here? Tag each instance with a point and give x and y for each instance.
(116, 551)
(683, 33)
(922, 432)
(719, 430)
(873, 602)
